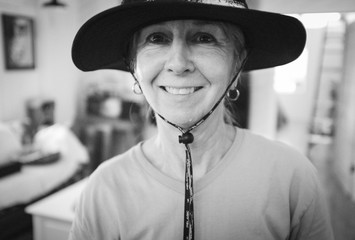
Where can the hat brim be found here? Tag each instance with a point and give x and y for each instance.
(101, 43)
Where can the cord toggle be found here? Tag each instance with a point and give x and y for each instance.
(186, 138)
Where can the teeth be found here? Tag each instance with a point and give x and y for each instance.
(180, 91)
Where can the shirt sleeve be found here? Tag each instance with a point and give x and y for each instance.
(95, 216)
(77, 232)
(314, 223)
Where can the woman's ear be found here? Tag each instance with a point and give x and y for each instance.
(237, 73)
(131, 66)
(237, 65)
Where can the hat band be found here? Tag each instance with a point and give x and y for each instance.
(228, 3)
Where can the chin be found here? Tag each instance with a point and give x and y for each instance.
(184, 118)
(184, 122)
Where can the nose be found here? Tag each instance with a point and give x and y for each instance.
(179, 58)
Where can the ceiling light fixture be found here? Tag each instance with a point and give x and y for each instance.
(54, 3)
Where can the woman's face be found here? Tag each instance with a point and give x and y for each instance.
(184, 67)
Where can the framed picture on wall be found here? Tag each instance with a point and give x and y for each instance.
(18, 41)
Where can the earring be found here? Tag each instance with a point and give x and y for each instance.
(233, 94)
(137, 89)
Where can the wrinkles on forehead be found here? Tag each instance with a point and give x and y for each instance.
(231, 31)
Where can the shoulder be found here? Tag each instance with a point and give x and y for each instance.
(97, 215)
(291, 169)
(273, 151)
(286, 165)
(269, 145)
(116, 169)
(105, 187)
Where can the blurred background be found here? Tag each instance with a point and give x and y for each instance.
(57, 124)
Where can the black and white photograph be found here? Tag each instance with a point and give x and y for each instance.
(18, 41)
(177, 119)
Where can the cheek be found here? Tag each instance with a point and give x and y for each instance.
(146, 69)
(143, 68)
(148, 65)
(217, 69)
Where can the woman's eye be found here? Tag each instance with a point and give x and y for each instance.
(157, 38)
(204, 38)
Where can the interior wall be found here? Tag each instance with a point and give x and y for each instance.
(267, 104)
(263, 103)
(298, 106)
(58, 76)
(16, 85)
(54, 75)
(344, 153)
(344, 159)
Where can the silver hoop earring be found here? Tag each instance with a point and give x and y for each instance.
(233, 94)
(136, 88)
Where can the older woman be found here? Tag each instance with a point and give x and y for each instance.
(199, 176)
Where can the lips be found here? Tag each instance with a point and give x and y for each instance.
(180, 90)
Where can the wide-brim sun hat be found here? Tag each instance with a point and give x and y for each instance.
(102, 42)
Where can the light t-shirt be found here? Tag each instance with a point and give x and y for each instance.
(260, 189)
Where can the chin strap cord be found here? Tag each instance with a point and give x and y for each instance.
(189, 193)
(187, 138)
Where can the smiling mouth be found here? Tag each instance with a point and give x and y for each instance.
(181, 91)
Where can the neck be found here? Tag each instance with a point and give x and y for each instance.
(212, 139)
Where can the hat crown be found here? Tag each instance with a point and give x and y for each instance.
(229, 3)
